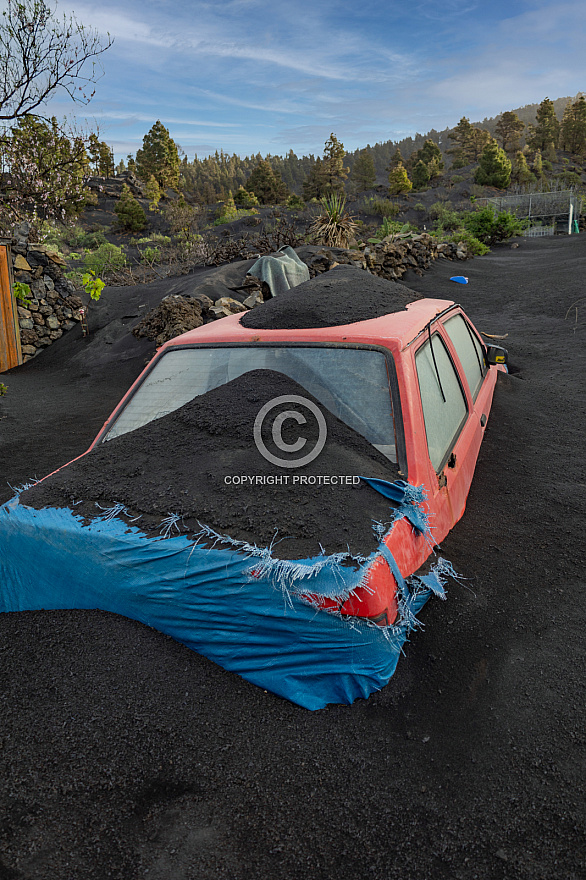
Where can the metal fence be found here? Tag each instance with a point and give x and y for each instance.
(553, 210)
(538, 231)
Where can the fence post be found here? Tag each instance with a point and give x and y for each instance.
(10, 350)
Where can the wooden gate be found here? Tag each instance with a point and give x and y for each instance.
(10, 351)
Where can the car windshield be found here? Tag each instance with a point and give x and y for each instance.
(352, 383)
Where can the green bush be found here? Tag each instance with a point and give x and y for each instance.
(107, 256)
(475, 246)
(458, 178)
(156, 237)
(131, 215)
(491, 228)
(391, 227)
(295, 202)
(150, 254)
(444, 216)
(380, 207)
(227, 212)
(245, 199)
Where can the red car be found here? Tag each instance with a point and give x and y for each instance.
(430, 382)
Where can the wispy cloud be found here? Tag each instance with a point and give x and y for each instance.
(248, 74)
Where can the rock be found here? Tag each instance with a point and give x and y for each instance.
(21, 263)
(58, 259)
(203, 300)
(45, 308)
(28, 337)
(38, 289)
(219, 312)
(253, 300)
(52, 322)
(56, 333)
(173, 316)
(38, 319)
(49, 284)
(23, 313)
(26, 323)
(231, 304)
(68, 325)
(29, 350)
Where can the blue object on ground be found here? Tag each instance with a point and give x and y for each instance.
(230, 601)
(460, 279)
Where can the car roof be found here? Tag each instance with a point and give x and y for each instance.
(395, 330)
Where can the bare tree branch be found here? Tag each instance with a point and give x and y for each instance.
(41, 53)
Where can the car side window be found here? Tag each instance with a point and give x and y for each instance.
(469, 351)
(442, 399)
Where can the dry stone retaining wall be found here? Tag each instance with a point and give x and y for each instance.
(54, 304)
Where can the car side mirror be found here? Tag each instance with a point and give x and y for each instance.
(496, 354)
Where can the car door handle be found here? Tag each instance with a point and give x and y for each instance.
(483, 420)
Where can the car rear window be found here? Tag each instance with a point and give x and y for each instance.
(352, 383)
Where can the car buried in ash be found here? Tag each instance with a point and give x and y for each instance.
(417, 383)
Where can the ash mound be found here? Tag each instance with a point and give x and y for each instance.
(344, 295)
(185, 463)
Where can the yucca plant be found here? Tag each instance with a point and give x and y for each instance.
(334, 226)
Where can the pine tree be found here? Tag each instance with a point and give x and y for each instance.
(267, 186)
(153, 193)
(462, 136)
(520, 172)
(420, 175)
(494, 168)
(538, 164)
(363, 171)
(545, 134)
(314, 185)
(509, 129)
(431, 156)
(159, 156)
(399, 181)
(333, 165)
(573, 127)
(131, 216)
(469, 143)
(396, 159)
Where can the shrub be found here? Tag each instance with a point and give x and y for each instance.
(227, 212)
(131, 215)
(295, 202)
(334, 227)
(245, 199)
(445, 217)
(458, 178)
(494, 168)
(475, 246)
(156, 236)
(380, 207)
(107, 256)
(150, 254)
(489, 227)
(391, 227)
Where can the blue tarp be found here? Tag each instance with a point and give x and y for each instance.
(233, 603)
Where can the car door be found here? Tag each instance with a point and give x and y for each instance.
(451, 428)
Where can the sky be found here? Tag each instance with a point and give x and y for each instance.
(251, 76)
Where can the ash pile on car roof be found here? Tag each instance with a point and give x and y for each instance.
(344, 295)
(179, 464)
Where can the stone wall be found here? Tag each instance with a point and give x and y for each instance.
(54, 304)
(390, 258)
